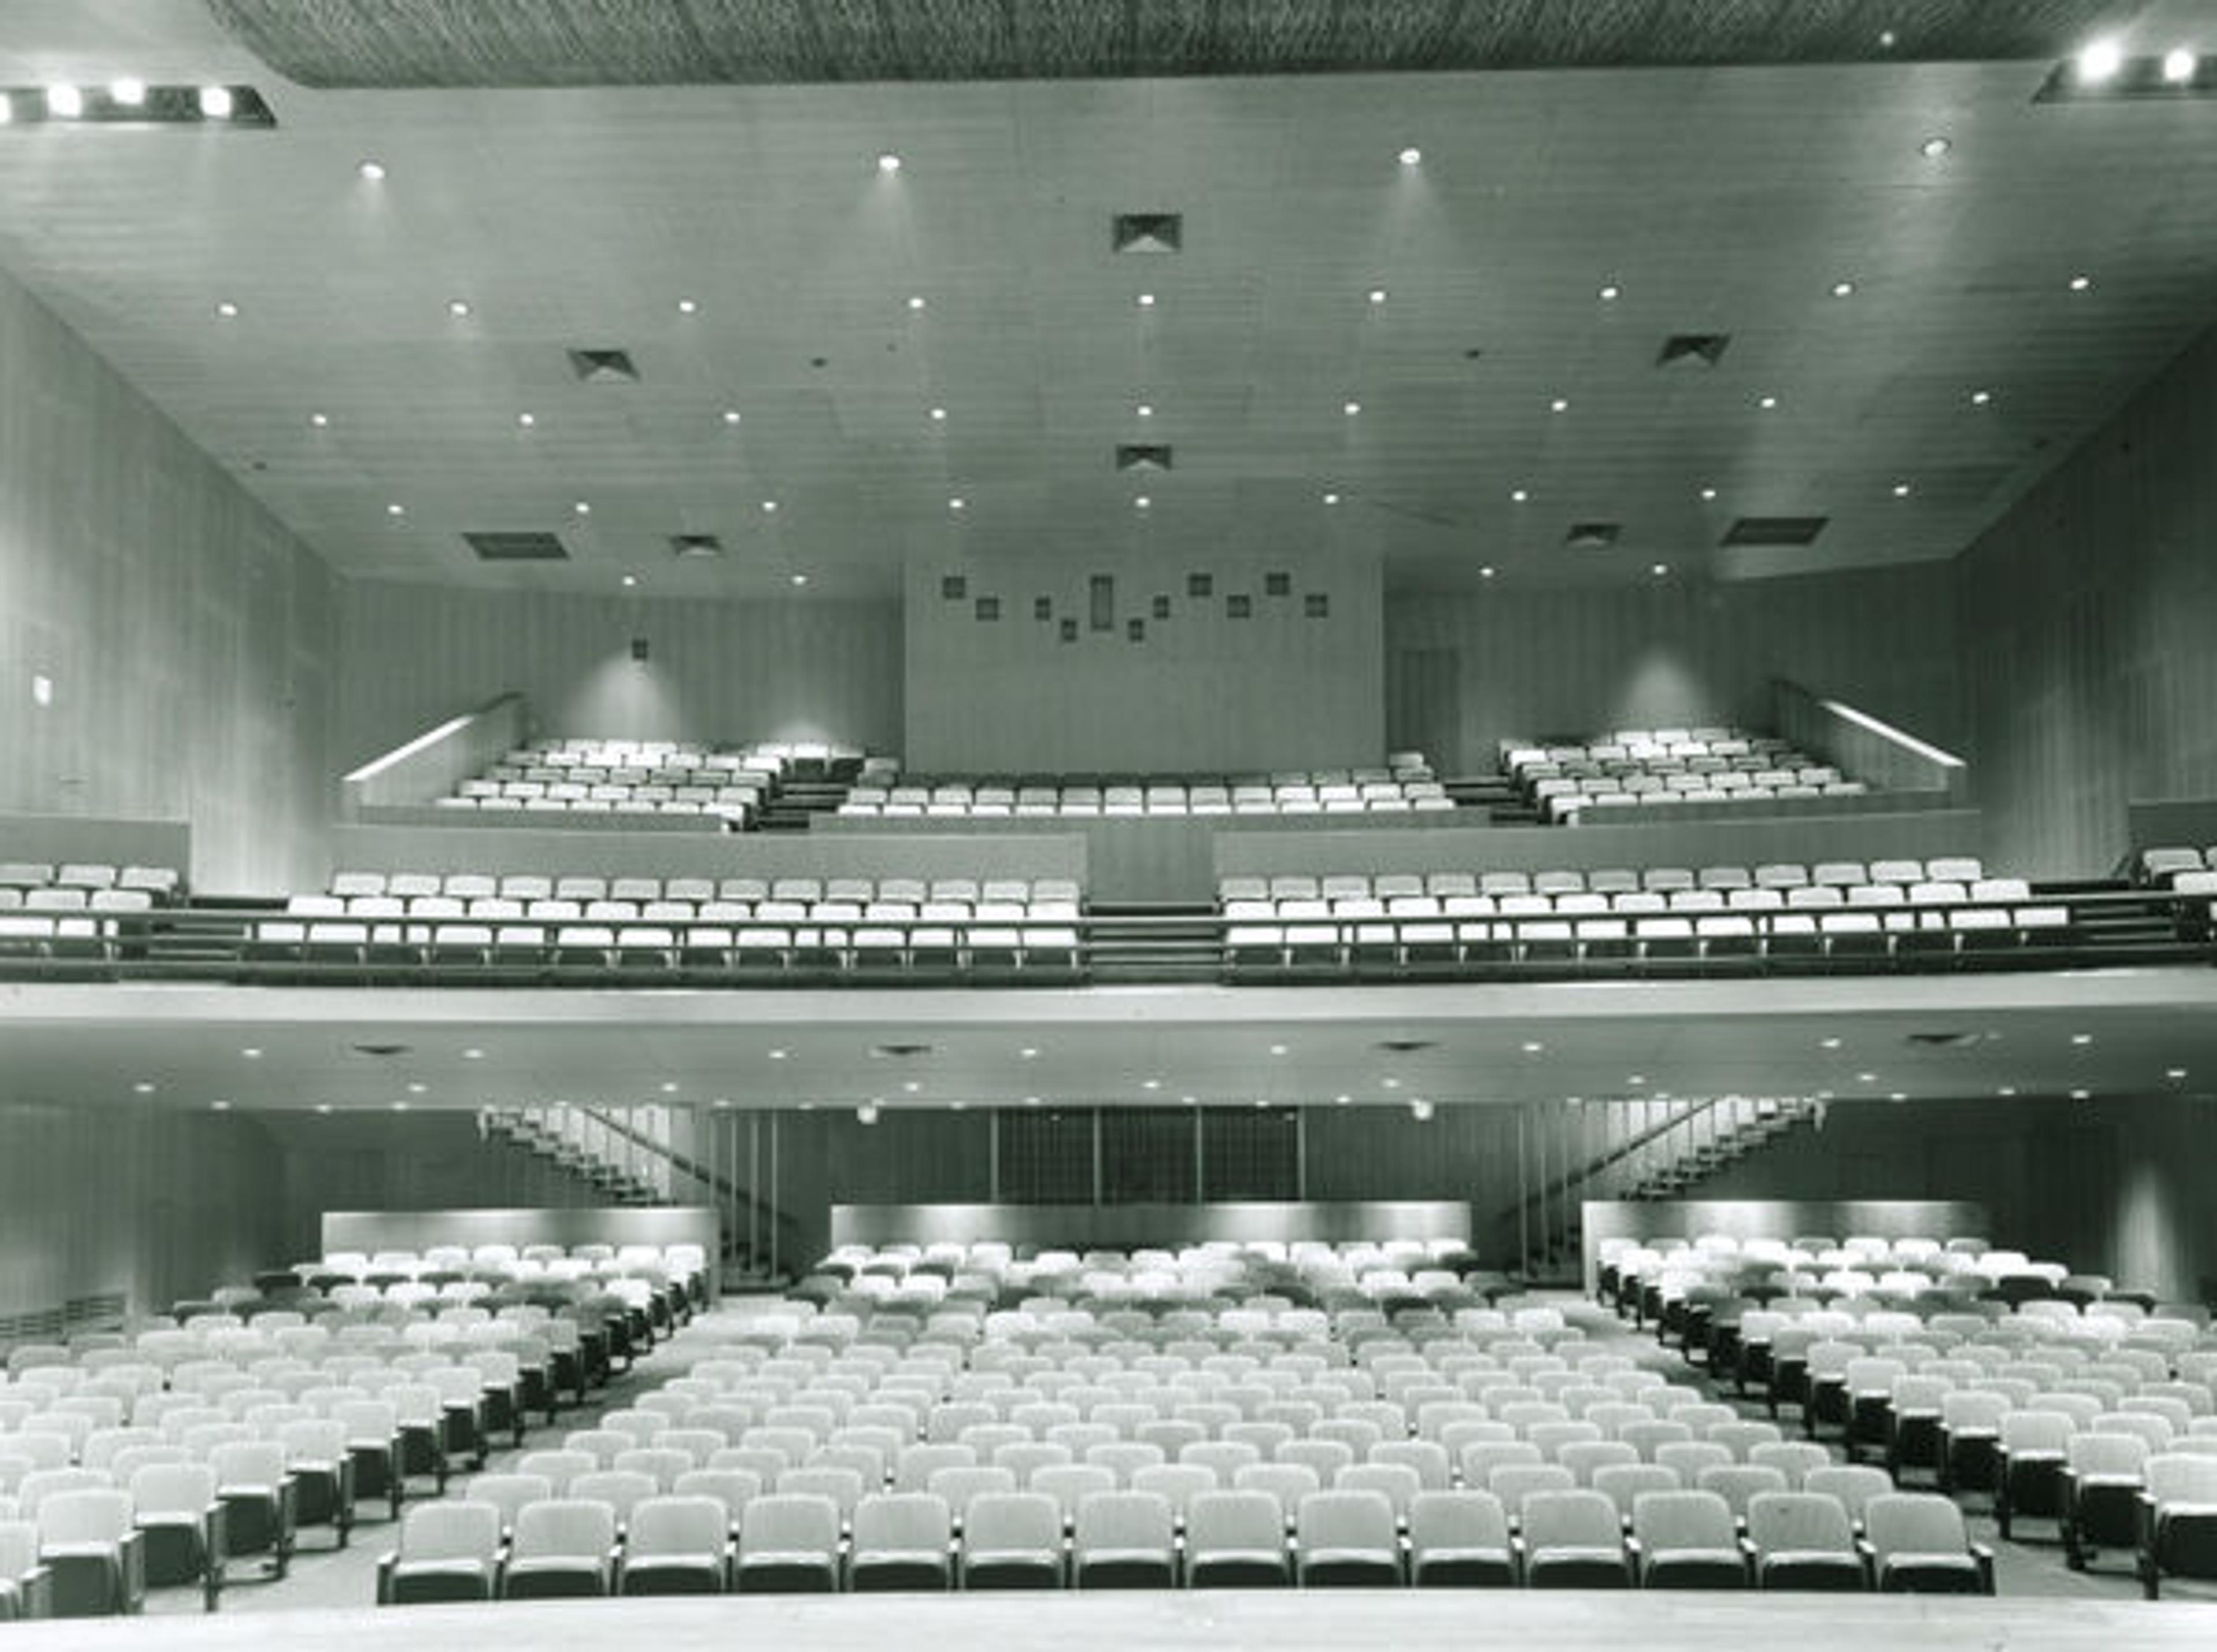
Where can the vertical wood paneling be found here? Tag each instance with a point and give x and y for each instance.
(412, 655)
(2087, 612)
(1203, 692)
(1534, 662)
(188, 634)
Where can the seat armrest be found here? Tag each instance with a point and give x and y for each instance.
(1868, 1556)
(1984, 1555)
(385, 1564)
(131, 1570)
(36, 1590)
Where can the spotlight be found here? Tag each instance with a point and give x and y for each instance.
(127, 92)
(687, 307)
(1410, 156)
(866, 1113)
(1611, 293)
(216, 103)
(2080, 283)
(1421, 1110)
(889, 163)
(2100, 60)
(2179, 65)
(1934, 147)
(372, 172)
(1844, 289)
(64, 102)
(1377, 295)
(1141, 503)
(458, 307)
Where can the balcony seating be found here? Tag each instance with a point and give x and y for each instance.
(1403, 784)
(1642, 771)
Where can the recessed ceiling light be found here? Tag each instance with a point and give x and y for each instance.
(1277, 1050)
(1828, 1043)
(146, 1088)
(939, 415)
(1027, 1052)
(226, 309)
(474, 1054)
(732, 416)
(911, 1085)
(1151, 1084)
(670, 1086)
(1980, 398)
(216, 103)
(777, 1055)
(1885, 39)
(1560, 405)
(2099, 60)
(1901, 490)
(1341, 1101)
(687, 307)
(889, 161)
(1766, 402)
(629, 580)
(219, 1107)
(868, 1113)
(2080, 283)
(527, 420)
(1377, 295)
(582, 507)
(957, 503)
(128, 92)
(1031, 1101)
(417, 1087)
(1844, 289)
(458, 306)
(1636, 1078)
(1611, 293)
(2082, 1039)
(1332, 498)
(2081, 1095)
(957, 1106)
(1420, 1109)
(1935, 146)
(252, 1052)
(1389, 1084)
(1866, 1078)
(2179, 65)
(1518, 495)
(1351, 408)
(1533, 1047)
(1145, 409)
(799, 578)
(1708, 493)
(64, 102)
(1142, 502)
(1660, 569)
(396, 509)
(915, 301)
(372, 172)
(1411, 156)
(769, 507)
(1486, 572)
(320, 420)
(1146, 300)
(1897, 1095)
(2174, 1073)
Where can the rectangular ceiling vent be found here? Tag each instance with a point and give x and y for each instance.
(1775, 530)
(1693, 350)
(1593, 535)
(517, 547)
(604, 365)
(1143, 456)
(695, 548)
(1148, 232)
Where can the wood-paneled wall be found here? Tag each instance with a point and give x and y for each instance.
(187, 633)
(413, 655)
(150, 1204)
(1199, 692)
(1527, 663)
(2086, 618)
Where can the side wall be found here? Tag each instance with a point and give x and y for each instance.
(186, 632)
(1466, 670)
(2086, 615)
(149, 1204)
(413, 655)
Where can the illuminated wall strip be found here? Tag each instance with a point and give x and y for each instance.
(1888, 731)
(429, 738)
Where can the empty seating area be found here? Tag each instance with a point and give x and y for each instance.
(698, 928)
(1640, 768)
(621, 778)
(1837, 914)
(1403, 784)
(83, 911)
(2071, 1410)
(217, 1437)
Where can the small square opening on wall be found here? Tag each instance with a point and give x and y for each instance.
(1161, 607)
(1238, 605)
(1069, 629)
(954, 587)
(989, 607)
(1042, 608)
(1315, 605)
(1136, 629)
(1277, 585)
(1200, 585)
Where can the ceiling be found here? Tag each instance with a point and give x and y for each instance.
(1714, 199)
(90, 1045)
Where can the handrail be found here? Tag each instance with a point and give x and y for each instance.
(1623, 1150)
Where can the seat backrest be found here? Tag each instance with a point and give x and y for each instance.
(675, 1525)
(1457, 1519)
(1347, 1518)
(1801, 1522)
(1130, 1521)
(1570, 1519)
(1852, 1485)
(1663, 1520)
(1914, 1523)
(569, 1527)
(458, 1529)
(910, 1521)
(1009, 1521)
(172, 1489)
(621, 1489)
(1249, 1518)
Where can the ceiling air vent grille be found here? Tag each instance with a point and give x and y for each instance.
(1148, 232)
(604, 365)
(1593, 535)
(1143, 456)
(1693, 350)
(695, 548)
(1775, 530)
(516, 547)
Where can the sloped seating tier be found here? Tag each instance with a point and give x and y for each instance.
(624, 778)
(699, 925)
(1654, 768)
(1882, 909)
(1405, 784)
(77, 910)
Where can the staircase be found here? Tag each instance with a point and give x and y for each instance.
(1631, 1151)
(795, 803)
(589, 1145)
(1153, 941)
(1497, 795)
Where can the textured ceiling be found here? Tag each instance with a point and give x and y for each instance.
(410, 43)
(1714, 199)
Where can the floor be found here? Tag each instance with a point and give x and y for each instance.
(321, 1579)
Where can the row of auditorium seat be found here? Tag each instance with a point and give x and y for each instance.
(1642, 768)
(1335, 792)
